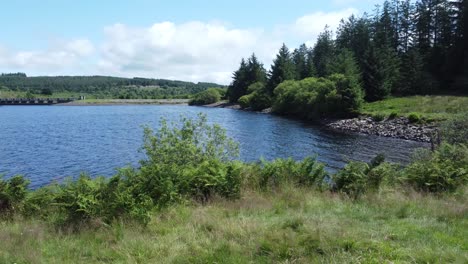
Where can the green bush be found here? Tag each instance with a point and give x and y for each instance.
(12, 194)
(244, 101)
(393, 115)
(445, 169)
(192, 160)
(455, 130)
(357, 178)
(317, 97)
(414, 117)
(209, 96)
(378, 117)
(307, 172)
(352, 179)
(259, 98)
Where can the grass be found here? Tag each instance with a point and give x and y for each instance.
(291, 225)
(430, 108)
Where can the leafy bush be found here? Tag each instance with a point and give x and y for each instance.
(316, 97)
(356, 178)
(393, 115)
(352, 179)
(455, 130)
(378, 117)
(414, 117)
(244, 101)
(193, 160)
(445, 169)
(307, 172)
(209, 96)
(12, 194)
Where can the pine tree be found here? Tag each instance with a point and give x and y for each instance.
(323, 53)
(239, 83)
(354, 35)
(299, 58)
(345, 63)
(381, 73)
(311, 71)
(281, 70)
(413, 78)
(255, 71)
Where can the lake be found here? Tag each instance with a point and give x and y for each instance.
(47, 143)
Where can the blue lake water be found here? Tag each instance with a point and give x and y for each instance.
(47, 143)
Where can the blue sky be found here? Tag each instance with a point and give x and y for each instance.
(189, 40)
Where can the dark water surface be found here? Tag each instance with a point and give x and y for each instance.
(47, 143)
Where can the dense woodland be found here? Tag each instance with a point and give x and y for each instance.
(402, 48)
(102, 86)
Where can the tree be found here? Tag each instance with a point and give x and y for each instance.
(281, 70)
(239, 85)
(300, 60)
(46, 91)
(345, 63)
(413, 78)
(323, 53)
(255, 71)
(381, 72)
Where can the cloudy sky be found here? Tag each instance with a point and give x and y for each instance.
(189, 40)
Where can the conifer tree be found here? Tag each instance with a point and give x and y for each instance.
(299, 57)
(323, 53)
(239, 85)
(281, 70)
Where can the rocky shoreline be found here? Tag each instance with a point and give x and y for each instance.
(399, 127)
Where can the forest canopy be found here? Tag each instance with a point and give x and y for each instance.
(403, 48)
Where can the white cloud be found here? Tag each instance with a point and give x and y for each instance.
(192, 51)
(310, 26)
(53, 60)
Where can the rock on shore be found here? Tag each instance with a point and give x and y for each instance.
(396, 128)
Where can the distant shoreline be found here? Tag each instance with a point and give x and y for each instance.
(109, 102)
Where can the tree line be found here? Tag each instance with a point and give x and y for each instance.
(105, 86)
(403, 48)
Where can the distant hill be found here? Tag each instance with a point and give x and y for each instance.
(101, 85)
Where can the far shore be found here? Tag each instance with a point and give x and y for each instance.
(127, 102)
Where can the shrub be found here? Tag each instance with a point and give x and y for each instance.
(12, 194)
(445, 169)
(317, 97)
(244, 101)
(393, 115)
(352, 179)
(192, 160)
(276, 173)
(378, 117)
(258, 99)
(455, 131)
(414, 117)
(209, 96)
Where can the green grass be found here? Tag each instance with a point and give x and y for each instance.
(292, 225)
(430, 108)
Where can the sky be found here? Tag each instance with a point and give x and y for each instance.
(188, 40)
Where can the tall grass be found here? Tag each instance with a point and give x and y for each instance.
(190, 202)
(431, 108)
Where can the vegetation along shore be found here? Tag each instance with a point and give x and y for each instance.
(191, 201)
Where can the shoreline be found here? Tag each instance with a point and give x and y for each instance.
(399, 127)
(111, 102)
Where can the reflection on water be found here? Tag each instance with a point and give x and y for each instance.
(47, 143)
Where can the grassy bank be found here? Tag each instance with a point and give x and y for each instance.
(430, 108)
(290, 225)
(190, 201)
